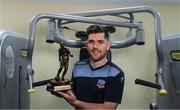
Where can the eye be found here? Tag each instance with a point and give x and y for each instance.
(90, 42)
(100, 41)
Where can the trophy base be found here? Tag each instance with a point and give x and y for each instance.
(59, 85)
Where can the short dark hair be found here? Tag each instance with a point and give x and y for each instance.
(97, 29)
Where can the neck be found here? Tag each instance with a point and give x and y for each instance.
(96, 64)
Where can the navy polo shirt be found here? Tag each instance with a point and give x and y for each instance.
(98, 85)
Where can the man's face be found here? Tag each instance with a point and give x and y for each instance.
(97, 46)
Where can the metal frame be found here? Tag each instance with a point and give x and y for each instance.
(85, 17)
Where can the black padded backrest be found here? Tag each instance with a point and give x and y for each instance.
(83, 54)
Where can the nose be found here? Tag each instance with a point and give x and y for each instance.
(95, 45)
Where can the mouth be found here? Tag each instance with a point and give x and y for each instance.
(95, 52)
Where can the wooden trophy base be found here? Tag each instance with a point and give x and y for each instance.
(59, 85)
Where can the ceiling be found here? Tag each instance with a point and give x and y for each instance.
(140, 2)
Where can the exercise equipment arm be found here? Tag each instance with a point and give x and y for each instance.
(84, 18)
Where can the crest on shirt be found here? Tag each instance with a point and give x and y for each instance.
(122, 79)
(101, 83)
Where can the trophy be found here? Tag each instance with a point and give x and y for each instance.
(60, 83)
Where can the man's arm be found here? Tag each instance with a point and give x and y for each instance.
(105, 105)
(71, 99)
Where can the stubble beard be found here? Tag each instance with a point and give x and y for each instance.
(98, 59)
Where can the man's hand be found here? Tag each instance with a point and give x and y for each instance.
(68, 95)
(71, 99)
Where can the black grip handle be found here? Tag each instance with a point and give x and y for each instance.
(147, 83)
(41, 83)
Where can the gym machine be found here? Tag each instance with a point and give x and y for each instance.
(13, 72)
(168, 54)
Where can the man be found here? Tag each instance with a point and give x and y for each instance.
(98, 83)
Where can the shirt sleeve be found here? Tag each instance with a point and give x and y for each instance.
(114, 88)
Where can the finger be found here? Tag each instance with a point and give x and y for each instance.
(65, 94)
(61, 93)
(56, 94)
(70, 92)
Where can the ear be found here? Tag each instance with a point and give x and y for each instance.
(85, 43)
(109, 45)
